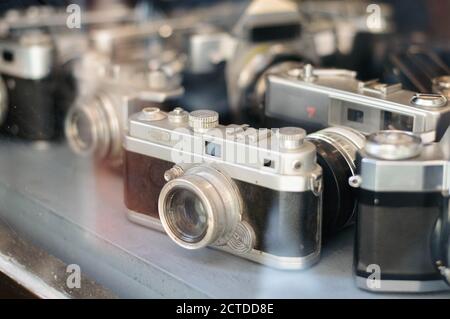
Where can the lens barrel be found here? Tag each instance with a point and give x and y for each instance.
(200, 208)
(336, 152)
(92, 128)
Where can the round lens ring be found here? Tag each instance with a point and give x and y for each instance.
(200, 208)
(186, 215)
(79, 131)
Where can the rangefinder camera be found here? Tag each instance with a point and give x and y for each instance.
(36, 89)
(319, 98)
(402, 235)
(266, 34)
(109, 92)
(252, 193)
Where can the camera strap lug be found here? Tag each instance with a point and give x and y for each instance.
(355, 181)
(316, 184)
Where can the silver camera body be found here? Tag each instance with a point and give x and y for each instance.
(318, 98)
(252, 193)
(109, 91)
(403, 213)
(267, 33)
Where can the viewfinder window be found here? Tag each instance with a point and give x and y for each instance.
(213, 149)
(355, 115)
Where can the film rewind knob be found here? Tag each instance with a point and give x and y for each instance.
(203, 120)
(291, 138)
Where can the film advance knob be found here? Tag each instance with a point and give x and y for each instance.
(393, 145)
(203, 119)
(291, 138)
(429, 100)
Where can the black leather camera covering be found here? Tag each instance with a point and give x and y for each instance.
(285, 223)
(36, 108)
(395, 231)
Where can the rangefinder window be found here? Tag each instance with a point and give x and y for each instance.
(213, 149)
(271, 33)
(395, 121)
(355, 115)
(269, 163)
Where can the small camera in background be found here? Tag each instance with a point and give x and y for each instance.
(319, 98)
(36, 89)
(109, 92)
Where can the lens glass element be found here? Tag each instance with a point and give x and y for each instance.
(186, 215)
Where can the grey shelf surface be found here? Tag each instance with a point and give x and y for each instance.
(75, 211)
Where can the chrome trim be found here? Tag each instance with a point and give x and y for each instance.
(220, 198)
(278, 262)
(145, 220)
(409, 286)
(33, 61)
(275, 181)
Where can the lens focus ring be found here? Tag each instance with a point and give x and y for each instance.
(200, 208)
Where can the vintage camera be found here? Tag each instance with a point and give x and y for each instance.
(336, 154)
(266, 34)
(402, 238)
(253, 193)
(38, 53)
(34, 100)
(109, 92)
(319, 98)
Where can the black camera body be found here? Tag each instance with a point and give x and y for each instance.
(38, 91)
(421, 70)
(403, 213)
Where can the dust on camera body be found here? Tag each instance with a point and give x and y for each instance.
(319, 98)
(30, 87)
(109, 92)
(253, 193)
(402, 237)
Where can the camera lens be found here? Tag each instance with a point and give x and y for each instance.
(81, 131)
(92, 128)
(186, 215)
(336, 152)
(200, 208)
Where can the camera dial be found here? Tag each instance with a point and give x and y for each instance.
(202, 120)
(429, 100)
(200, 207)
(291, 138)
(393, 145)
